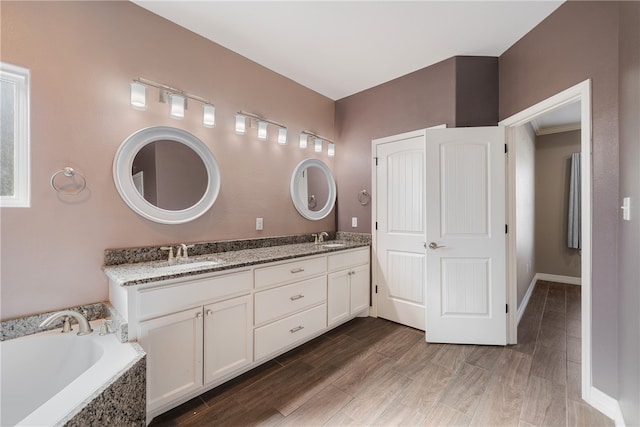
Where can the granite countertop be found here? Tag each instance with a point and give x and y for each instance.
(147, 272)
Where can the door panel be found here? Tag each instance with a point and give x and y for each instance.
(466, 266)
(400, 182)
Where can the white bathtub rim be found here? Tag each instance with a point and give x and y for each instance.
(65, 405)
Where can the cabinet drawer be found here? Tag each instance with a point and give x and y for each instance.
(278, 335)
(348, 259)
(290, 271)
(278, 302)
(157, 301)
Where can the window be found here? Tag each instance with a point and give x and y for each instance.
(14, 136)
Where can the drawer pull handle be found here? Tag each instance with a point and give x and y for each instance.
(297, 270)
(296, 329)
(209, 312)
(295, 297)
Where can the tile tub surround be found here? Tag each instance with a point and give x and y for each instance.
(16, 328)
(154, 253)
(140, 273)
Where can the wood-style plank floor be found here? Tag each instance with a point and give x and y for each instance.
(375, 372)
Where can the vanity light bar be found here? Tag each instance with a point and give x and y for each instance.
(318, 142)
(176, 97)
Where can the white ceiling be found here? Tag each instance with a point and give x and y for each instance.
(339, 48)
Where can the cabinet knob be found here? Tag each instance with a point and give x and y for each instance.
(296, 329)
(295, 297)
(198, 315)
(209, 312)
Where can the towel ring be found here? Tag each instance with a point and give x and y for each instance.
(364, 197)
(312, 201)
(68, 172)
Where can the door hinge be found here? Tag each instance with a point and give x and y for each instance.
(506, 150)
(507, 310)
(376, 289)
(376, 225)
(506, 229)
(376, 159)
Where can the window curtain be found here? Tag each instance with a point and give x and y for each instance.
(574, 239)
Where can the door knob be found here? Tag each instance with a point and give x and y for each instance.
(434, 245)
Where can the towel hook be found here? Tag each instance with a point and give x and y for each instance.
(70, 173)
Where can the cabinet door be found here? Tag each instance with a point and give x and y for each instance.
(360, 288)
(228, 337)
(338, 296)
(174, 355)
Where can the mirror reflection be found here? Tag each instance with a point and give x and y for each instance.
(314, 188)
(169, 175)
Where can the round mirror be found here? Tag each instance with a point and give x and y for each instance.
(166, 175)
(313, 189)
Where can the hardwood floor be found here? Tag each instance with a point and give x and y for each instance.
(375, 372)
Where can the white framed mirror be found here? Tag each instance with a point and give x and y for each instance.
(313, 189)
(166, 175)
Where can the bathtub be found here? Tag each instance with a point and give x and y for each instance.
(50, 375)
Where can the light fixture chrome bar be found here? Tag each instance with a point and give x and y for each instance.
(315, 135)
(261, 119)
(171, 89)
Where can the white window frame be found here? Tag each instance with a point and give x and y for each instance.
(20, 77)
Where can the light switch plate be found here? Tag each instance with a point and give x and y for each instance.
(354, 221)
(259, 224)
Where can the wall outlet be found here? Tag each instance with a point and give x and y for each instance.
(259, 224)
(354, 221)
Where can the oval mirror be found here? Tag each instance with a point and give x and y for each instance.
(166, 175)
(313, 189)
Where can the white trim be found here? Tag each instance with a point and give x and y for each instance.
(561, 279)
(20, 77)
(580, 92)
(557, 129)
(605, 404)
(525, 299)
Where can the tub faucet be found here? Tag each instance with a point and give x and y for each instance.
(83, 323)
(321, 236)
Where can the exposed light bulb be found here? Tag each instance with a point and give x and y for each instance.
(208, 115)
(138, 96)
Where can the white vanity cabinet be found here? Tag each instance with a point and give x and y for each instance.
(348, 285)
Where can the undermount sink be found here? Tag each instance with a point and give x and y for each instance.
(187, 265)
(333, 245)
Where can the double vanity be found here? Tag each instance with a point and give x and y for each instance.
(207, 319)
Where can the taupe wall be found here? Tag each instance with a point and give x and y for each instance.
(82, 57)
(460, 91)
(629, 261)
(552, 174)
(525, 150)
(580, 41)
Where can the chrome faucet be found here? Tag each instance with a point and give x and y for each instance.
(170, 249)
(83, 323)
(321, 236)
(182, 251)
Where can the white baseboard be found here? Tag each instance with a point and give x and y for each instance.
(605, 404)
(525, 300)
(556, 278)
(544, 276)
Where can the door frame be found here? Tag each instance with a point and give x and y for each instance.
(580, 92)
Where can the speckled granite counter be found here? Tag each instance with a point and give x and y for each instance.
(147, 272)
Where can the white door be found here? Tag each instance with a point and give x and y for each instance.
(359, 286)
(338, 297)
(173, 344)
(466, 265)
(400, 233)
(228, 337)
